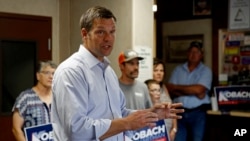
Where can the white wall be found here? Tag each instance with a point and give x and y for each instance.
(143, 36)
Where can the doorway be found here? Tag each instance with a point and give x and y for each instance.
(24, 39)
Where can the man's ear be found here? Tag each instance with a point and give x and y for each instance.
(84, 32)
(121, 66)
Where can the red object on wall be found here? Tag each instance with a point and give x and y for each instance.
(236, 59)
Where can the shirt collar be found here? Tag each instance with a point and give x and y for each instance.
(91, 60)
(185, 66)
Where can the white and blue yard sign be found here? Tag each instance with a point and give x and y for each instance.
(39, 133)
(157, 133)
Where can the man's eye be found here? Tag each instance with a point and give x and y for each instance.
(100, 32)
(112, 32)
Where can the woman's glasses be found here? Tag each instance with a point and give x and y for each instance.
(47, 73)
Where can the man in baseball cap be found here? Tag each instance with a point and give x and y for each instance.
(136, 92)
(128, 55)
(196, 44)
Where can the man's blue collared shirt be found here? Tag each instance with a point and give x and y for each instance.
(86, 98)
(200, 75)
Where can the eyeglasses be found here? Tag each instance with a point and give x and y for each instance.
(48, 73)
(155, 90)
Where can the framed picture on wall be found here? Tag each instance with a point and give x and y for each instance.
(239, 15)
(177, 46)
(201, 7)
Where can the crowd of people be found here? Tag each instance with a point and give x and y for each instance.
(83, 98)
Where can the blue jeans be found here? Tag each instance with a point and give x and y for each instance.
(192, 126)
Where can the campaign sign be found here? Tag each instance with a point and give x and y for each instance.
(157, 133)
(39, 133)
(233, 97)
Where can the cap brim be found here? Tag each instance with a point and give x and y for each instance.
(139, 58)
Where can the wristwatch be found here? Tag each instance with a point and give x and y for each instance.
(174, 129)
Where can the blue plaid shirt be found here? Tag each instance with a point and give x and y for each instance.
(32, 109)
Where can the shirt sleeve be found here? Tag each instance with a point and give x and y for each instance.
(21, 103)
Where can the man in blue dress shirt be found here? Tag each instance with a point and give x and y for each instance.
(88, 104)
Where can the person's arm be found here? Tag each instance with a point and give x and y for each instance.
(143, 118)
(198, 89)
(173, 130)
(17, 121)
(174, 125)
(180, 90)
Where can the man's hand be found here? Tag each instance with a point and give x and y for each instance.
(168, 110)
(140, 119)
(149, 117)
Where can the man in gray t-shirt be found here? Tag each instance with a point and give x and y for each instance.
(136, 92)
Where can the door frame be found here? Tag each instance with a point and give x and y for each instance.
(24, 27)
